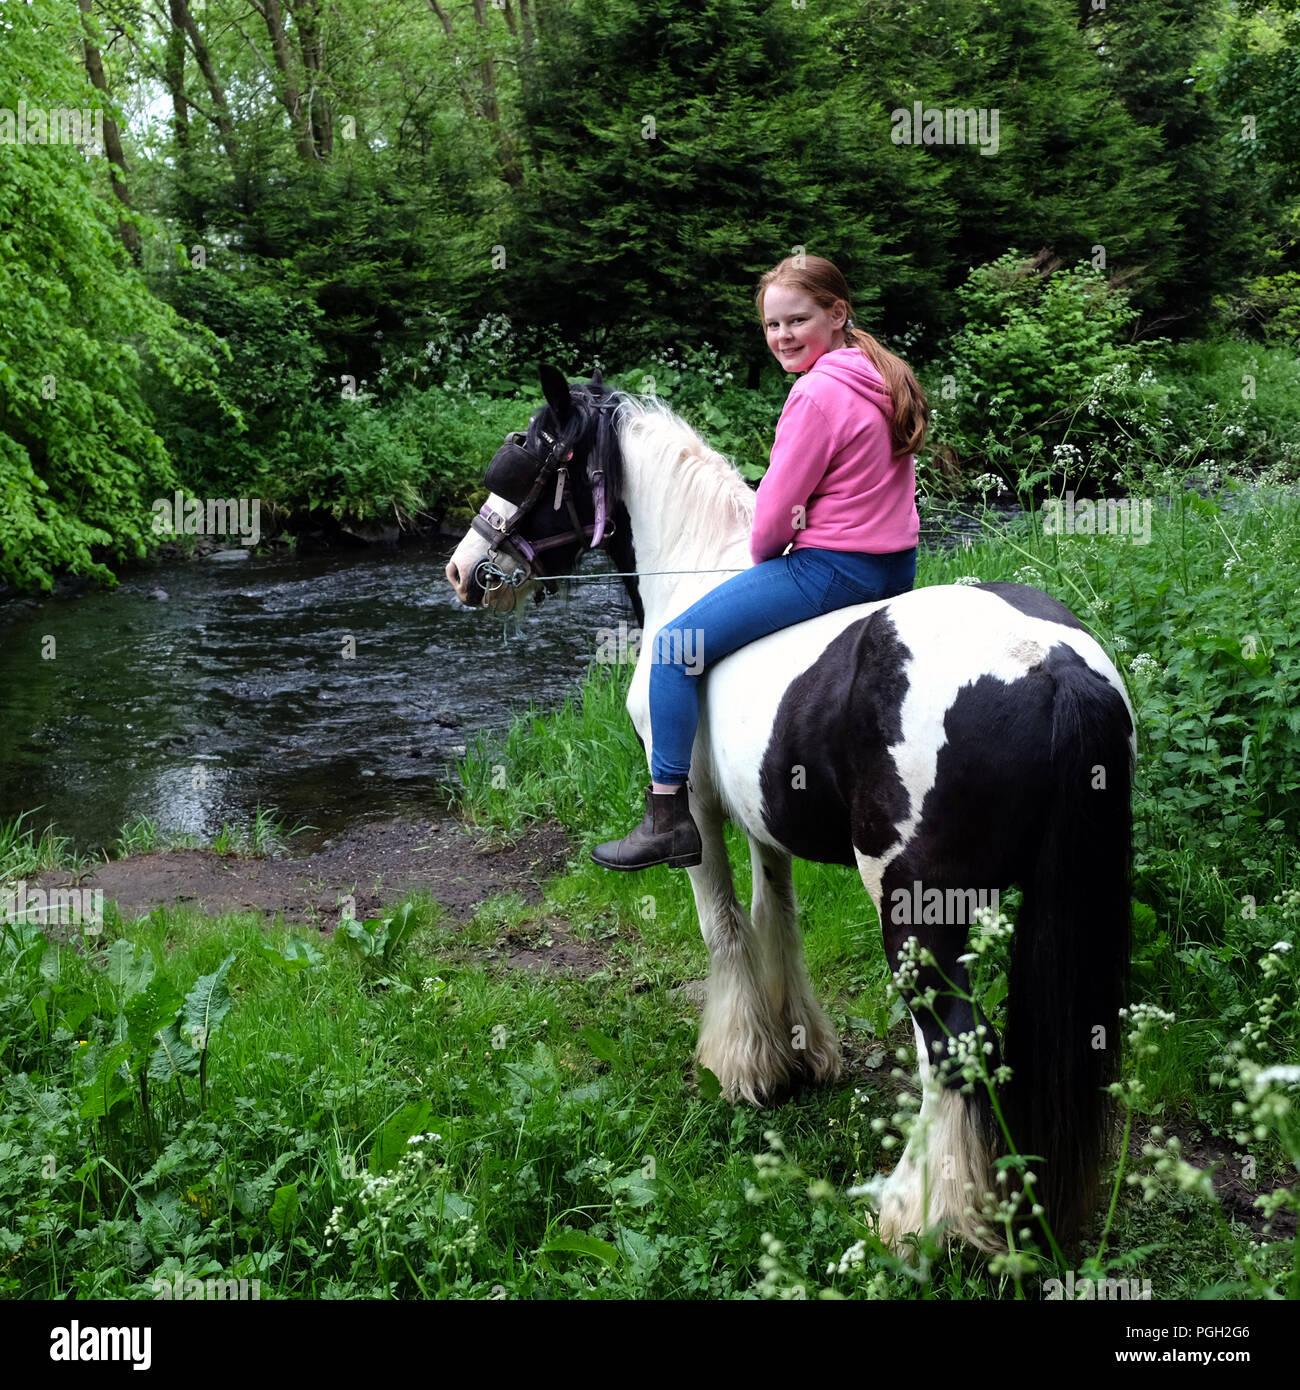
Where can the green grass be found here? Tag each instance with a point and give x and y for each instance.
(576, 1154)
(265, 836)
(575, 1157)
(24, 852)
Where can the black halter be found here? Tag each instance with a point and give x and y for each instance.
(517, 474)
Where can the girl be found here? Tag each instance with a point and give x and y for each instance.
(839, 496)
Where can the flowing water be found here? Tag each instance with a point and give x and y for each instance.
(238, 688)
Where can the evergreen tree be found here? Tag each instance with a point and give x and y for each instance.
(1206, 212)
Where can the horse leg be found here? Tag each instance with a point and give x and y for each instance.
(944, 1173)
(943, 1176)
(762, 1031)
(809, 1037)
(741, 1041)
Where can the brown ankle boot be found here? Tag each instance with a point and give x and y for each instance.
(667, 835)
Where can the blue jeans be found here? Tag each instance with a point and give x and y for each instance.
(766, 598)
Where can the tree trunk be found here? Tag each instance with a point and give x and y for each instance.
(306, 15)
(174, 75)
(225, 125)
(506, 151)
(290, 95)
(442, 17)
(112, 136)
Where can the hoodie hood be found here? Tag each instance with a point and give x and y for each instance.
(852, 368)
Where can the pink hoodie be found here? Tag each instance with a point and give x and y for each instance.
(833, 455)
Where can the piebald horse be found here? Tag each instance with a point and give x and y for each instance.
(958, 738)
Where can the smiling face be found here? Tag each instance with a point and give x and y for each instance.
(798, 330)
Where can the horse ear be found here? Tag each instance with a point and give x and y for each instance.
(596, 378)
(556, 391)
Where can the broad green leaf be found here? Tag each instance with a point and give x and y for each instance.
(1144, 920)
(76, 1011)
(579, 1243)
(51, 964)
(109, 1086)
(297, 954)
(284, 1209)
(452, 1206)
(129, 970)
(604, 1048)
(390, 1144)
(148, 1012)
(207, 1004)
(174, 1056)
(635, 1189)
(995, 993)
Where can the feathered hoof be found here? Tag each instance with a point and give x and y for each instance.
(776, 1084)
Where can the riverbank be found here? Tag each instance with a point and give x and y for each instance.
(356, 874)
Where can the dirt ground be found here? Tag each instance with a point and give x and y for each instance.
(374, 864)
(1235, 1192)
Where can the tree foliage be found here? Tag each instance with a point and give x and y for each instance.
(329, 198)
(80, 461)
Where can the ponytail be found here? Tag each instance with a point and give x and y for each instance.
(911, 416)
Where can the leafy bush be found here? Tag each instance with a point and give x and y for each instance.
(1269, 307)
(700, 385)
(1024, 364)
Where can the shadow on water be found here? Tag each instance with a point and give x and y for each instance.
(194, 693)
(235, 690)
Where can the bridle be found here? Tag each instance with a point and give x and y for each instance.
(512, 559)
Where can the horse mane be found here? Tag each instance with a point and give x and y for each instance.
(702, 490)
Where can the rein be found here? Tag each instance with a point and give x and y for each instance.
(631, 574)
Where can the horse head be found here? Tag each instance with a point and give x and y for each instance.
(553, 494)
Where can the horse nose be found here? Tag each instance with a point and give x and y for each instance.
(456, 582)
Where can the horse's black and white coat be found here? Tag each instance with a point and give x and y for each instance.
(958, 737)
